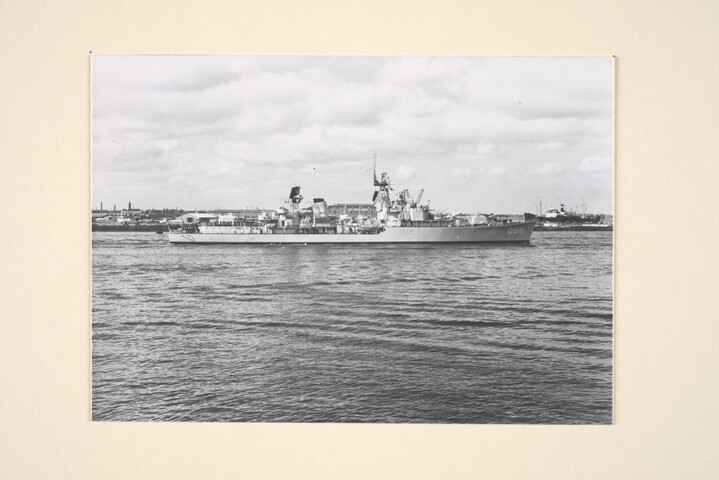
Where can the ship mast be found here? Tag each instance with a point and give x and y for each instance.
(374, 171)
(381, 197)
(384, 181)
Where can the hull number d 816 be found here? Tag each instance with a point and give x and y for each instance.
(515, 231)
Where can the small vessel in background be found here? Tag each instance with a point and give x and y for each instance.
(563, 217)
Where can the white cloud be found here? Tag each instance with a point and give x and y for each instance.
(552, 145)
(404, 172)
(484, 149)
(595, 164)
(547, 168)
(497, 172)
(252, 125)
(461, 172)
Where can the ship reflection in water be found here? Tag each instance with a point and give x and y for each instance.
(426, 333)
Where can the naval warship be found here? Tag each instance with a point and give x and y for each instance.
(401, 219)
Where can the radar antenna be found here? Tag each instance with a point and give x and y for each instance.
(295, 196)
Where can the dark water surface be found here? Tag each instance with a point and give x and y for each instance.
(383, 333)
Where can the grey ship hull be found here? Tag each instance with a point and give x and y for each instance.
(514, 233)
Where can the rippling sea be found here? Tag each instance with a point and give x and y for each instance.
(353, 333)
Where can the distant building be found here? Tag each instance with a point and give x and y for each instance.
(198, 217)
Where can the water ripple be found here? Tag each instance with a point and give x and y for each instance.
(387, 334)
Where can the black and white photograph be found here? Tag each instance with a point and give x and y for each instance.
(380, 240)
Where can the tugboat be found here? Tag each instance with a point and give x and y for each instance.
(398, 220)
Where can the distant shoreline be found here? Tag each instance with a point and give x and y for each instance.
(575, 228)
(128, 228)
(163, 228)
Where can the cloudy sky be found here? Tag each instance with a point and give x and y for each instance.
(478, 134)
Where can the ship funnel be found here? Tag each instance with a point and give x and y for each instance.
(319, 207)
